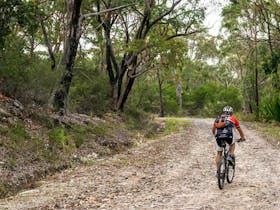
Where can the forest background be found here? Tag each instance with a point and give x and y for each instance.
(155, 56)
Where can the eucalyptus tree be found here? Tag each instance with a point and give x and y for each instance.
(240, 18)
(168, 66)
(130, 35)
(253, 24)
(73, 32)
(51, 16)
(270, 27)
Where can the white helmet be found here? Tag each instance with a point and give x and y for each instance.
(228, 110)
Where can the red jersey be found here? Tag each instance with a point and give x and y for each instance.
(232, 119)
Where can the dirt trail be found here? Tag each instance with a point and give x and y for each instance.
(174, 172)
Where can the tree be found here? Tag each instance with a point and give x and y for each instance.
(75, 20)
(128, 59)
(254, 25)
(16, 13)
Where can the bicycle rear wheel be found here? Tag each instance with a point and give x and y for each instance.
(221, 173)
(230, 173)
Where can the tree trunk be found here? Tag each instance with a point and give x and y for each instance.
(179, 96)
(161, 110)
(70, 51)
(48, 43)
(123, 97)
(256, 69)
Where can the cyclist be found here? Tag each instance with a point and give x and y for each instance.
(222, 129)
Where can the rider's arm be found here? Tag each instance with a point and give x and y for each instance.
(214, 130)
(240, 133)
(237, 125)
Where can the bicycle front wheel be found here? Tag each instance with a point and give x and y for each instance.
(221, 173)
(230, 173)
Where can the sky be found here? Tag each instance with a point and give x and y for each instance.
(213, 18)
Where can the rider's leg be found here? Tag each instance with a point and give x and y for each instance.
(231, 153)
(231, 149)
(219, 152)
(218, 157)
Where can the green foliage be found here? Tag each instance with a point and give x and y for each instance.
(170, 100)
(170, 126)
(272, 130)
(271, 64)
(59, 138)
(30, 80)
(79, 135)
(145, 95)
(174, 125)
(3, 190)
(79, 140)
(16, 13)
(135, 117)
(270, 107)
(100, 130)
(90, 91)
(17, 135)
(209, 99)
(249, 117)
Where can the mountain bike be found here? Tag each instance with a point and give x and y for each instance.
(226, 169)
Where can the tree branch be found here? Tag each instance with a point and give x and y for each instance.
(165, 13)
(105, 11)
(183, 34)
(47, 42)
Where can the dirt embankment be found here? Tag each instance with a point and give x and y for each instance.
(35, 142)
(173, 172)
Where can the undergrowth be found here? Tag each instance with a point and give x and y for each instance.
(174, 125)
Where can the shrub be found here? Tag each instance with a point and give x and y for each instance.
(27, 79)
(270, 107)
(135, 118)
(79, 140)
(90, 91)
(58, 138)
(18, 135)
(209, 99)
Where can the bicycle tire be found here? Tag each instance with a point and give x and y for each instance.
(221, 173)
(230, 173)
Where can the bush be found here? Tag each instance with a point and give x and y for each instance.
(58, 138)
(90, 91)
(171, 105)
(270, 107)
(18, 135)
(209, 99)
(24, 78)
(135, 118)
(144, 95)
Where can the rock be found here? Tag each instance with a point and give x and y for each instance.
(3, 113)
(18, 105)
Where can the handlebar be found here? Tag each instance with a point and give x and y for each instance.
(239, 140)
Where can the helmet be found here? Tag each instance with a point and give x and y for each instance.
(228, 110)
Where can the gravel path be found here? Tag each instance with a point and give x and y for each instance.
(173, 172)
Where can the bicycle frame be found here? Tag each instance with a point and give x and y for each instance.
(225, 170)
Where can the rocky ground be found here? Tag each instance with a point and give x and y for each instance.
(172, 172)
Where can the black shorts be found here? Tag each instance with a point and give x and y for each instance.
(219, 142)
